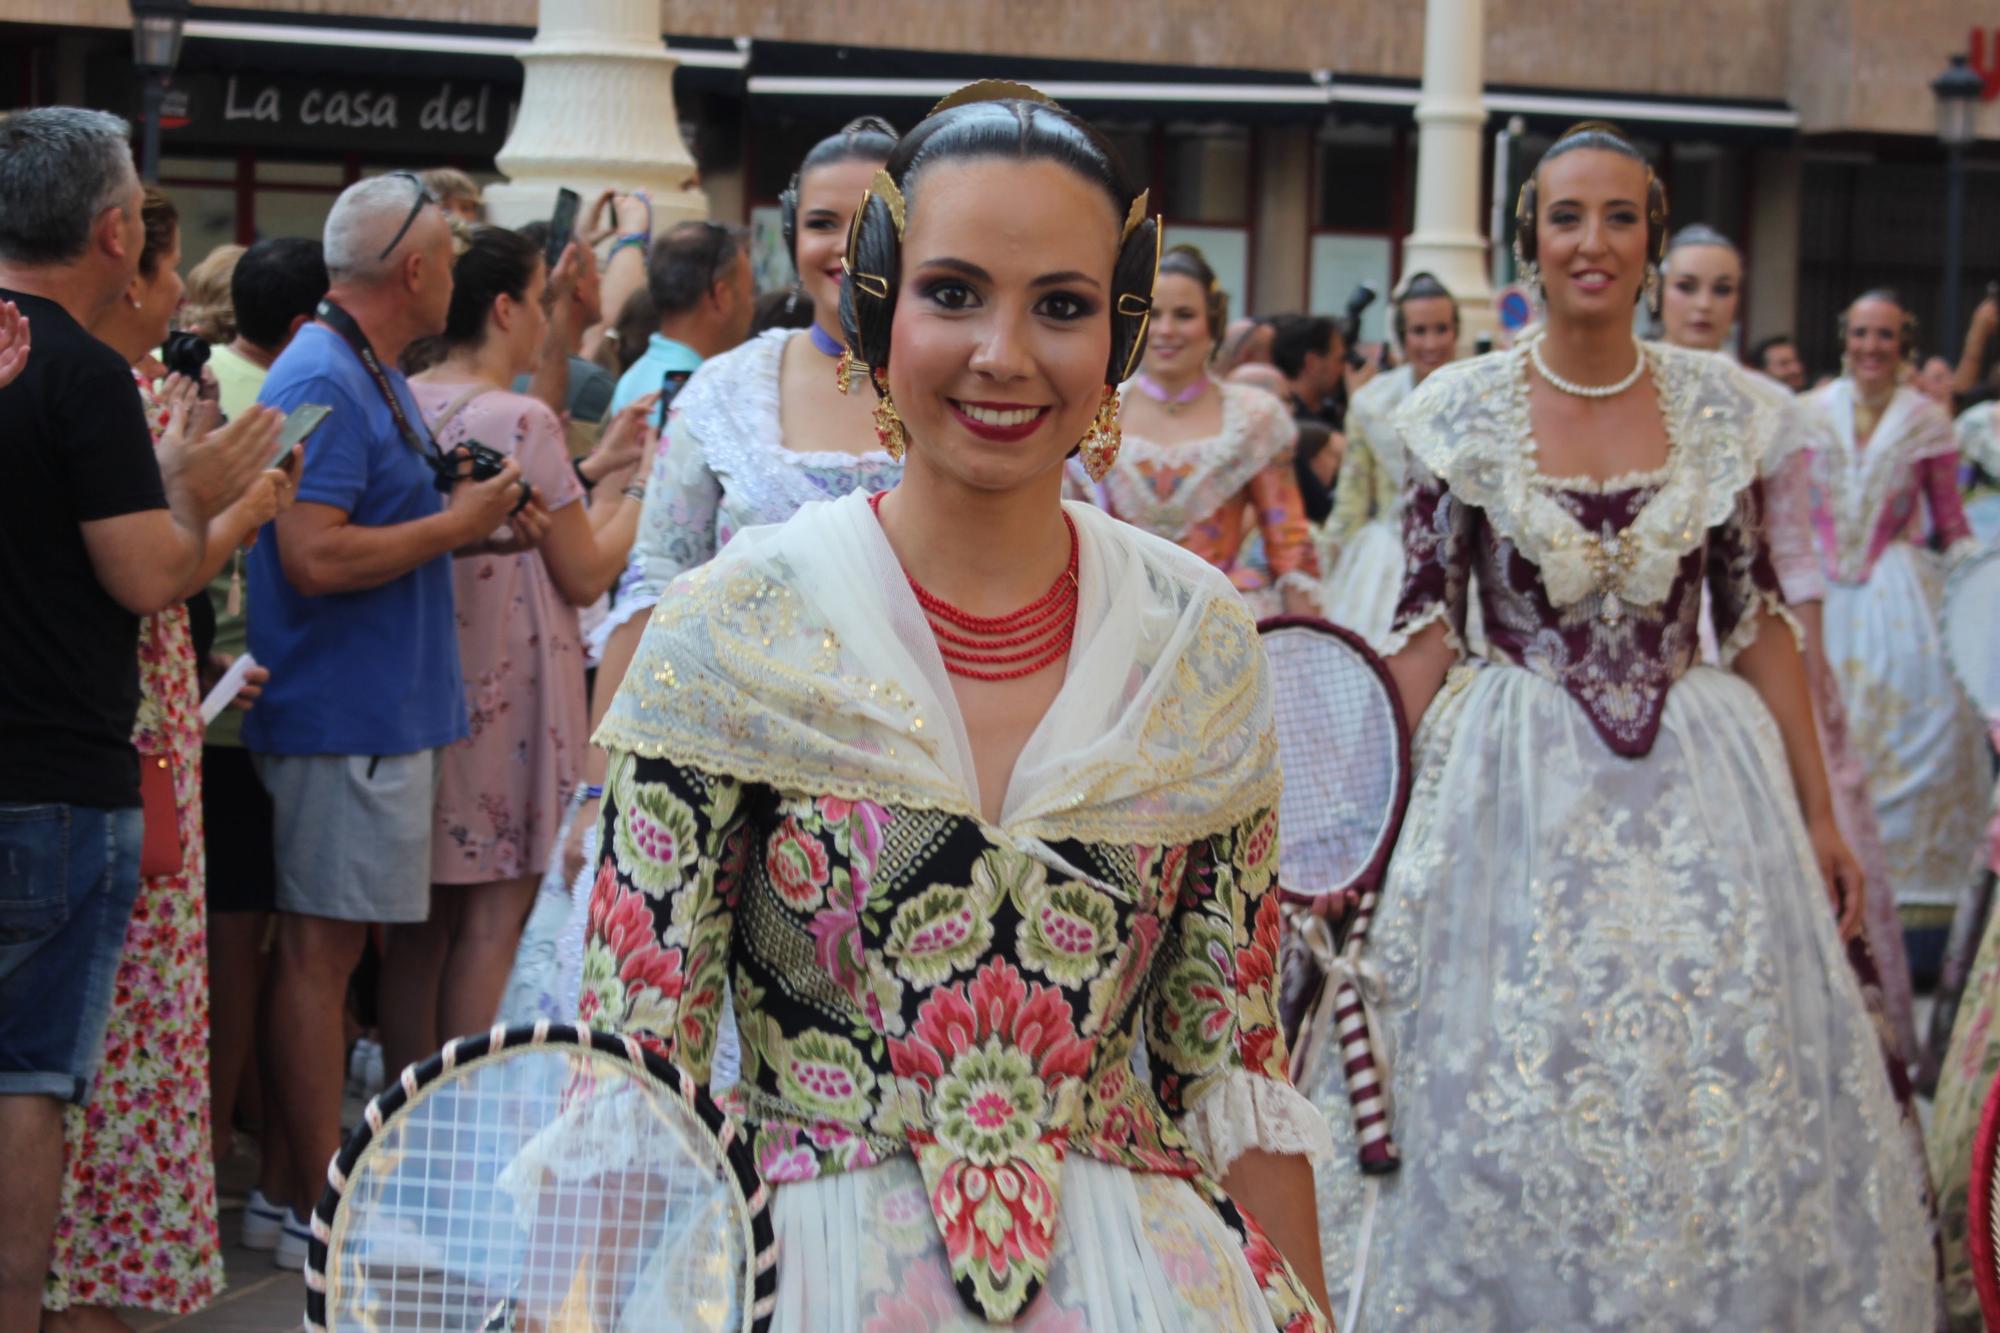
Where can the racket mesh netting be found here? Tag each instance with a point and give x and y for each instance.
(551, 1189)
(1337, 742)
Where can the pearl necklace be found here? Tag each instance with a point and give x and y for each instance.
(1576, 390)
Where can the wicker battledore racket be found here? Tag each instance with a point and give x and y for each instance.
(1345, 749)
(1982, 1203)
(542, 1179)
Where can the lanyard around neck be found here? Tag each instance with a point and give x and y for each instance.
(350, 333)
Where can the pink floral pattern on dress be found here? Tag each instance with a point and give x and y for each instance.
(138, 1220)
(908, 981)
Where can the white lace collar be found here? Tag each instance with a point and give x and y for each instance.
(799, 658)
(1168, 488)
(1468, 424)
(730, 406)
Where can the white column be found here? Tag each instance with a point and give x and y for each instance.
(1446, 239)
(597, 112)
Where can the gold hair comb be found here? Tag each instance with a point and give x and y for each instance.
(993, 90)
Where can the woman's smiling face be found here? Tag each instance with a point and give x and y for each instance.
(1002, 331)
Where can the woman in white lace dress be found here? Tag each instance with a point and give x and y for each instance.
(1703, 283)
(1885, 483)
(1206, 464)
(1366, 526)
(756, 433)
(1634, 1082)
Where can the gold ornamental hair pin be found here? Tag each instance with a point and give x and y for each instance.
(885, 188)
(1135, 216)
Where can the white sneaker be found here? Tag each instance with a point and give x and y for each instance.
(290, 1253)
(364, 1069)
(262, 1222)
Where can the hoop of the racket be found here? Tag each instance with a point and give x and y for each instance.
(1345, 750)
(480, 1263)
(1969, 622)
(1983, 1208)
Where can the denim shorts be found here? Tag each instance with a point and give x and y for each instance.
(68, 875)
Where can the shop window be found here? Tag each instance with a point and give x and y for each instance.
(292, 212)
(1207, 174)
(1356, 179)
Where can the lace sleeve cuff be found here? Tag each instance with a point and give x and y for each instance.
(1304, 584)
(1245, 1111)
(1752, 624)
(1399, 638)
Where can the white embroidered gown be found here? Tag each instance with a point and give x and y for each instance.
(1633, 1081)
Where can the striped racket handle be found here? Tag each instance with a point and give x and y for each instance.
(1349, 979)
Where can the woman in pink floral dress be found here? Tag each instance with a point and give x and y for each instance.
(955, 861)
(138, 1220)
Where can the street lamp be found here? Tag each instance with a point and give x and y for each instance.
(1957, 91)
(156, 49)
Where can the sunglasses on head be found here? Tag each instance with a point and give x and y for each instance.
(424, 196)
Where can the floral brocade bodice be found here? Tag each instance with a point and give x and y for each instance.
(910, 980)
(1594, 586)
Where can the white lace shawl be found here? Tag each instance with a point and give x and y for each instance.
(1468, 425)
(1168, 488)
(1859, 483)
(799, 658)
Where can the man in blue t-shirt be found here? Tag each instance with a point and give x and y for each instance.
(698, 275)
(351, 609)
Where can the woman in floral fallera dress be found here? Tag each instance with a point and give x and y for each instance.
(955, 858)
(1208, 465)
(138, 1220)
(1635, 1086)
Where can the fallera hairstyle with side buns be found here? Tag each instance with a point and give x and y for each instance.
(1190, 263)
(1700, 233)
(1907, 338)
(863, 139)
(1605, 137)
(1422, 286)
(1011, 122)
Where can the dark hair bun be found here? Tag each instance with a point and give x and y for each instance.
(863, 139)
(1010, 129)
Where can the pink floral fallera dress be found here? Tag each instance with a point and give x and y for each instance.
(940, 1015)
(138, 1220)
(503, 789)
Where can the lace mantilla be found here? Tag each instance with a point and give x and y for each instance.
(731, 406)
(1167, 489)
(1862, 488)
(1468, 424)
(799, 659)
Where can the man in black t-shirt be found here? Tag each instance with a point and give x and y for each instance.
(95, 531)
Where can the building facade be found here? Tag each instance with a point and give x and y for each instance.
(1277, 136)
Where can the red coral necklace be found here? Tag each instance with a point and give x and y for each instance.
(1002, 647)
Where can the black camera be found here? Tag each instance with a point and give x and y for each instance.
(184, 353)
(1358, 301)
(473, 461)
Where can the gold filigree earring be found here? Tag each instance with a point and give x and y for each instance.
(1652, 289)
(1100, 443)
(889, 431)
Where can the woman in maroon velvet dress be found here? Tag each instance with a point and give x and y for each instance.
(1635, 1084)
